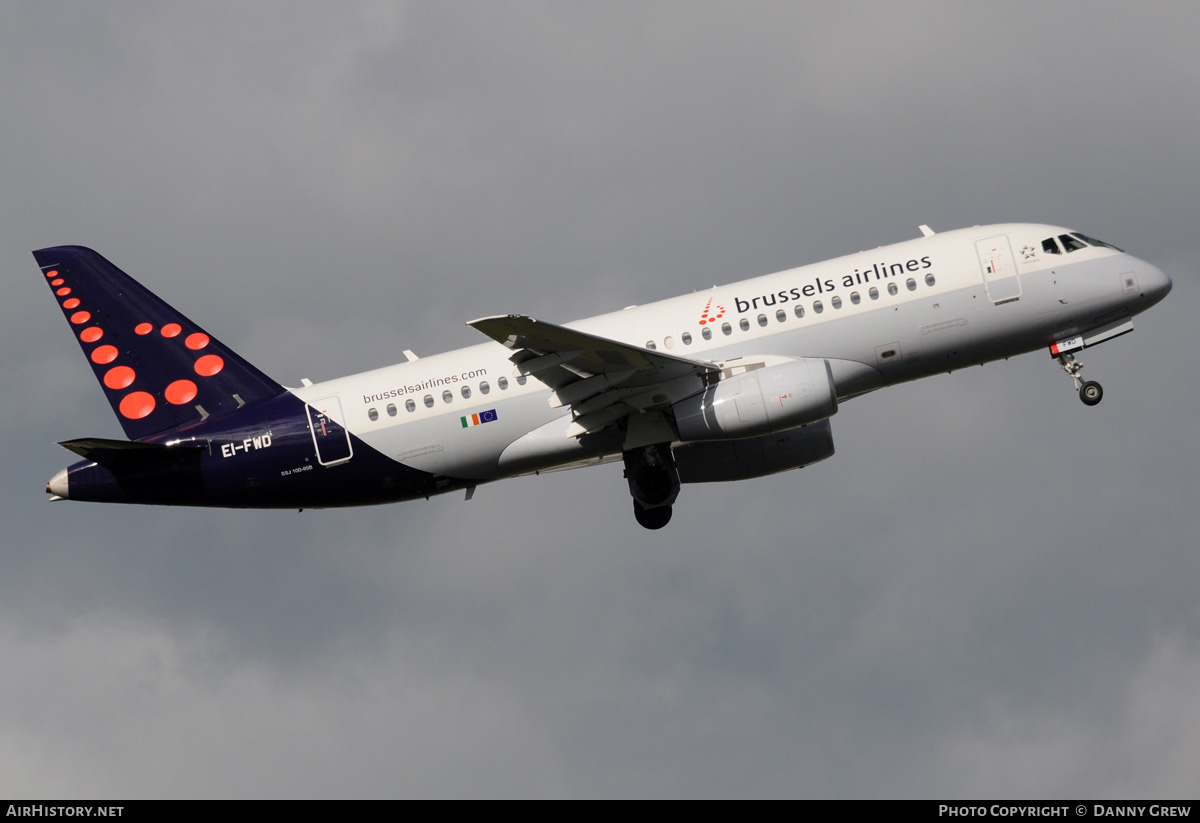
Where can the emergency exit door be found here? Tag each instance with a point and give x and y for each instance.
(999, 269)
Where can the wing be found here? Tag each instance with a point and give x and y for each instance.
(602, 380)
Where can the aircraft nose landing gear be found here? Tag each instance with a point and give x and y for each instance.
(1090, 392)
(653, 482)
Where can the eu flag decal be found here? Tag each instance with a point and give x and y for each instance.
(488, 416)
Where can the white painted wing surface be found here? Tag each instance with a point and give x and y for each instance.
(602, 380)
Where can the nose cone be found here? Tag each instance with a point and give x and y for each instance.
(1155, 284)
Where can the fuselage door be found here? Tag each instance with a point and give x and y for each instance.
(999, 271)
(330, 437)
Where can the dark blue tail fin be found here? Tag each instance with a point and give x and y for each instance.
(159, 370)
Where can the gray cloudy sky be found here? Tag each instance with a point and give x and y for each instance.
(989, 591)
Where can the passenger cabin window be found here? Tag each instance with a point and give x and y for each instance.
(762, 320)
(893, 289)
(726, 328)
(836, 302)
(686, 337)
(818, 307)
(744, 324)
(502, 382)
(391, 409)
(410, 405)
(912, 284)
(780, 316)
(650, 345)
(799, 310)
(372, 415)
(484, 388)
(929, 280)
(447, 396)
(855, 298)
(521, 379)
(706, 333)
(429, 401)
(669, 342)
(466, 392)
(873, 292)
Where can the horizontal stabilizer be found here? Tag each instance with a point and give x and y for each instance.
(107, 452)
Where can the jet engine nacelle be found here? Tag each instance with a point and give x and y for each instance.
(754, 456)
(762, 401)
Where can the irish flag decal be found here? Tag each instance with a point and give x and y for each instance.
(488, 416)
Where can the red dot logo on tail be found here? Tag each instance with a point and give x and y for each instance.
(208, 365)
(180, 392)
(153, 366)
(119, 377)
(137, 405)
(104, 354)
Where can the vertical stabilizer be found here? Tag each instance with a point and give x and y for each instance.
(159, 370)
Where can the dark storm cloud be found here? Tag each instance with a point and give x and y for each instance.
(987, 591)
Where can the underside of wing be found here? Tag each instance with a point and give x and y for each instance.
(601, 380)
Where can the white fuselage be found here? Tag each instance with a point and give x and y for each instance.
(880, 317)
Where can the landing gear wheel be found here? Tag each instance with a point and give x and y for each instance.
(653, 483)
(654, 518)
(1091, 393)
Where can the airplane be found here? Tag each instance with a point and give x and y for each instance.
(729, 383)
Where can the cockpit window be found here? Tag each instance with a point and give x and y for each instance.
(1091, 241)
(1071, 243)
(1074, 242)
